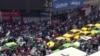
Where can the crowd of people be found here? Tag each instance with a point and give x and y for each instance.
(91, 46)
(35, 35)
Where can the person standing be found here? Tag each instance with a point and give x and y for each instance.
(95, 43)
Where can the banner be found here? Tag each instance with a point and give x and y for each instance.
(10, 14)
(59, 5)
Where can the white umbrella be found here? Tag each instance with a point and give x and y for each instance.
(69, 52)
(77, 43)
(85, 37)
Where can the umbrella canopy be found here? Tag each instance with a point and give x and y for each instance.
(56, 50)
(67, 45)
(75, 30)
(76, 44)
(10, 44)
(95, 31)
(97, 25)
(50, 44)
(90, 25)
(67, 35)
(0, 48)
(60, 38)
(76, 37)
(85, 37)
(85, 32)
(68, 52)
(84, 28)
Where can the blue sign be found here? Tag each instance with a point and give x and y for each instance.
(59, 5)
(44, 14)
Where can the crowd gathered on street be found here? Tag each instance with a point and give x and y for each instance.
(32, 37)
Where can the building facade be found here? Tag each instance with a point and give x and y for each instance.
(90, 5)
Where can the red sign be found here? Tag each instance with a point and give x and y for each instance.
(11, 14)
(85, 6)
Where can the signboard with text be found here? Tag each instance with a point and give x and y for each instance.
(59, 5)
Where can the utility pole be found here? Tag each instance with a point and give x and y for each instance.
(0, 16)
(48, 7)
(51, 10)
(99, 5)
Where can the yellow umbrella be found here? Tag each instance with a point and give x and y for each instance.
(90, 25)
(67, 39)
(88, 32)
(50, 44)
(67, 35)
(75, 30)
(76, 37)
(60, 38)
(84, 28)
(97, 25)
(85, 32)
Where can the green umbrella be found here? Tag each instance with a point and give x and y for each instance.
(97, 26)
(0, 48)
(56, 50)
(95, 31)
(10, 44)
(66, 45)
